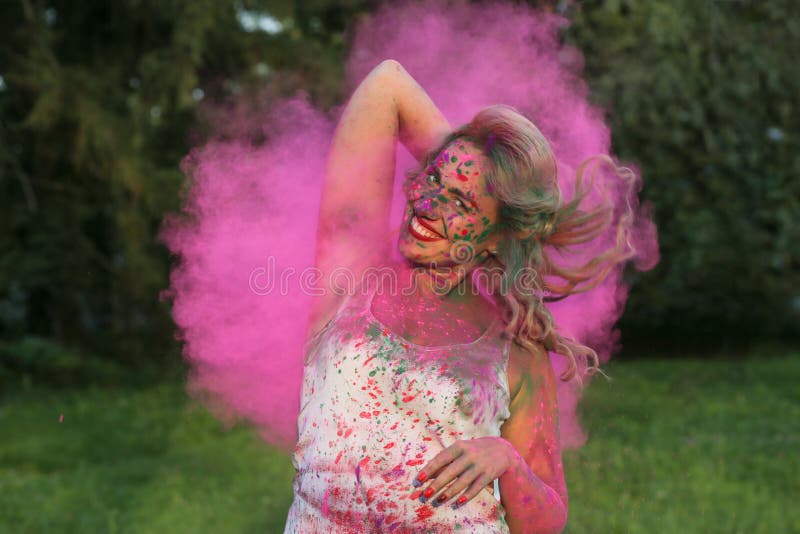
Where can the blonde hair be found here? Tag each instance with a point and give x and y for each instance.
(536, 222)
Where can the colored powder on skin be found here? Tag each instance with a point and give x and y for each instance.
(248, 225)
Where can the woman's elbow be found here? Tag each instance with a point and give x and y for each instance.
(559, 520)
(551, 519)
(389, 67)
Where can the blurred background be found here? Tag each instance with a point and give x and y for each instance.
(100, 101)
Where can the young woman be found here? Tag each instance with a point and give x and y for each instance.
(429, 400)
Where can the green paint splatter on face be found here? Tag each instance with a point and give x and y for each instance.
(468, 163)
(442, 199)
(453, 159)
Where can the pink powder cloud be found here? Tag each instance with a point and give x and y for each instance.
(248, 206)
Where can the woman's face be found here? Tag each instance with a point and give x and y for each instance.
(451, 216)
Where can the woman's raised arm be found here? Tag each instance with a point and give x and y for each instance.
(354, 214)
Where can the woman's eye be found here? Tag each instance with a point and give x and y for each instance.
(432, 179)
(460, 204)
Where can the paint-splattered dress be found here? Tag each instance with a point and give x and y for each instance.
(374, 409)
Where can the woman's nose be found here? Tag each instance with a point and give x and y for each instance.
(423, 197)
(426, 206)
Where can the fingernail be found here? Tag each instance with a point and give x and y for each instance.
(422, 476)
(461, 500)
(428, 493)
(442, 497)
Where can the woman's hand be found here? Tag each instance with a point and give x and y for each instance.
(463, 469)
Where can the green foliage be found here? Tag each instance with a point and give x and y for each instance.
(99, 102)
(686, 446)
(705, 97)
(34, 358)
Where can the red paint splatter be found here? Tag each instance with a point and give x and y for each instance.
(424, 512)
(389, 445)
(462, 177)
(338, 457)
(415, 462)
(365, 415)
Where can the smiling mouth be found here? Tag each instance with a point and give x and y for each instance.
(423, 232)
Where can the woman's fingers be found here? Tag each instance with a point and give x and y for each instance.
(438, 462)
(475, 487)
(449, 474)
(461, 482)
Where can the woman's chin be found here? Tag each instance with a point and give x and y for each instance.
(411, 253)
(421, 257)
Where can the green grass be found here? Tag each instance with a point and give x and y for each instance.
(689, 446)
(675, 446)
(134, 461)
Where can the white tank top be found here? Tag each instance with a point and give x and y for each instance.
(375, 408)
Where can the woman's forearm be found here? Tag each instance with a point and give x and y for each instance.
(359, 173)
(421, 124)
(388, 104)
(531, 505)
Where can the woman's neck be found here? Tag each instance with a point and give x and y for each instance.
(435, 284)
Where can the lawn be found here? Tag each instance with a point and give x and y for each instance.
(675, 446)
